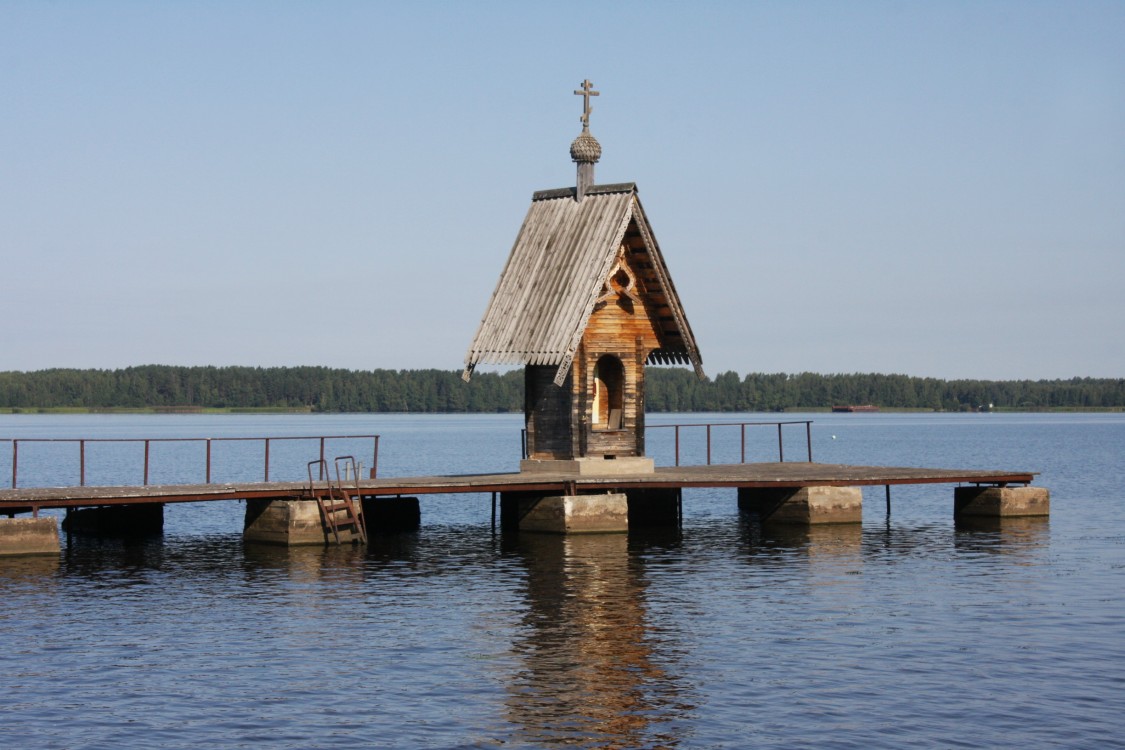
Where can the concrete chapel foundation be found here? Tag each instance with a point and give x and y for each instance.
(577, 514)
(614, 512)
(590, 466)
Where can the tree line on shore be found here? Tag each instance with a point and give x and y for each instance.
(323, 389)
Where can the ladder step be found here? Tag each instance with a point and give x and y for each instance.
(334, 500)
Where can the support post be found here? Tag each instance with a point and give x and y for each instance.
(391, 514)
(117, 521)
(656, 507)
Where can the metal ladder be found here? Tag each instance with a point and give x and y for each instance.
(340, 506)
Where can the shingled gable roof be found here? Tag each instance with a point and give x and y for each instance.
(554, 276)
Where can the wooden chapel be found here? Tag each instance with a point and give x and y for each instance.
(584, 303)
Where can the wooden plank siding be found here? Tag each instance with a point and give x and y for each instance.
(627, 328)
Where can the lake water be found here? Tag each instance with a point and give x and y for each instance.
(907, 631)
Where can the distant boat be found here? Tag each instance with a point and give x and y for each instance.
(864, 407)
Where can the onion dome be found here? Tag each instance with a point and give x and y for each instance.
(585, 148)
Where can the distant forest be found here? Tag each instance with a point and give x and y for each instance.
(322, 389)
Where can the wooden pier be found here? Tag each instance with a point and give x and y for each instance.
(287, 512)
(789, 475)
(606, 494)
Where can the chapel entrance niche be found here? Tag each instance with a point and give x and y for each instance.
(609, 393)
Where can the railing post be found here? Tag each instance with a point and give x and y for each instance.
(323, 466)
(375, 459)
(208, 460)
(780, 445)
(15, 461)
(743, 426)
(708, 444)
(677, 450)
(808, 438)
(267, 461)
(81, 463)
(146, 461)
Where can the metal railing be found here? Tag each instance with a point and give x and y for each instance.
(83, 442)
(708, 427)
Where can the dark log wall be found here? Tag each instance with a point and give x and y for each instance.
(547, 414)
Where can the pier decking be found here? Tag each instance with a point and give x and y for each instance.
(750, 475)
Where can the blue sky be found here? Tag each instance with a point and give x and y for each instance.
(932, 189)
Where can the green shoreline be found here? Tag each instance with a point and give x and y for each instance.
(213, 390)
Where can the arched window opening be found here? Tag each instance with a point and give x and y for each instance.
(609, 393)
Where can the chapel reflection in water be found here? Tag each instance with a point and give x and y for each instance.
(593, 672)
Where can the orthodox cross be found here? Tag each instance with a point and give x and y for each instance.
(586, 92)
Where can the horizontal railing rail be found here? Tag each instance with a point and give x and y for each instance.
(148, 442)
(709, 427)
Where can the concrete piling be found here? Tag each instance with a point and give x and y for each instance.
(802, 505)
(289, 523)
(29, 536)
(1001, 502)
